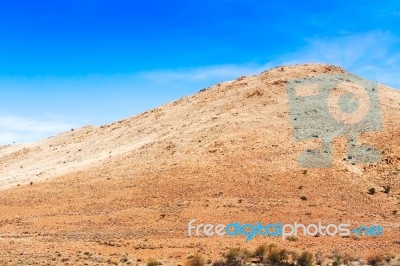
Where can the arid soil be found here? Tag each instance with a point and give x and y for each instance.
(125, 192)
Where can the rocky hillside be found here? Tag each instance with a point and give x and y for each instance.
(225, 154)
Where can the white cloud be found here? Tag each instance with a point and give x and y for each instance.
(221, 72)
(374, 55)
(14, 123)
(20, 130)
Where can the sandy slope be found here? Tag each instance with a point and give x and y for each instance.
(225, 154)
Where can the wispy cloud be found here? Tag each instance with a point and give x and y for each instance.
(375, 55)
(14, 123)
(20, 130)
(222, 72)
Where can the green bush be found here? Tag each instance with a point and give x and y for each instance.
(386, 189)
(196, 260)
(260, 252)
(277, 256)
(219, 263)
(348, 259)
(337, 260)
(388, 257)
(371, 191)
(305, 259)
(153, 262)
(319, 258)
(237, 256)
(375, 259)
(292, 238)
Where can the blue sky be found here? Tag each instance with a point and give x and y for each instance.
(65, 64)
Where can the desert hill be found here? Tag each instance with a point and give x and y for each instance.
(225, 154)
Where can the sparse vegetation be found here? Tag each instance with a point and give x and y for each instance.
(272, 255)
(255, 93)
(388, 257)
(237, 256)
(371, 191)
(196, 260)
(260, 252)
(153, 262)
(219, 263)
(277, 256)
(305, 259)
(375, 259)
(347, 259)
(319, 258)
(293, 238)
(337, 260)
